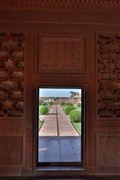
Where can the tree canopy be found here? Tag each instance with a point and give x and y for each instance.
(74, 94)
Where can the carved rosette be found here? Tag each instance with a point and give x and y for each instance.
(11, 75)
(108, 67)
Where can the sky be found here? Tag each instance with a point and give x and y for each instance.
(56, 92)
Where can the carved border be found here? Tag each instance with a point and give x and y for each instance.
(60, 4)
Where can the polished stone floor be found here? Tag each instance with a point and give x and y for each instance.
(59, 149)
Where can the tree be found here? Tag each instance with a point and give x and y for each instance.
(74, 94)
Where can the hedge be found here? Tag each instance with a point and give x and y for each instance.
(69, 104)
(62, 103)
(43, 109)
(68, 109)
(75, 115)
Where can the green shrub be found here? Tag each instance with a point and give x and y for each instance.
(68, 109)
(62, 103)
(69, 104)
(50, 103)
(40, 102)
(43, 109)
(43, 103)
(79, 104)
(75, 115)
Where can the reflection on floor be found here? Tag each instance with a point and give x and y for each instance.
(59, 149)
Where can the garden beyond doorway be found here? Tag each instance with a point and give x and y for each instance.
(59, 138)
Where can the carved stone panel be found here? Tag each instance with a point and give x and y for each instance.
(60, 54)
(108, 150)
(11, 150)
(108, 76)
(11, 75)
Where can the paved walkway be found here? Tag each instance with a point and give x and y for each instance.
(49, 127)
(57, 124)
(58, 140)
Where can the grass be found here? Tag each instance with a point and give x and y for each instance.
(77, 126)
(40, 124)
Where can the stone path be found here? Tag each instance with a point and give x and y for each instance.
(58, 140)
(49, 127)
(65, 126)
(57, 124)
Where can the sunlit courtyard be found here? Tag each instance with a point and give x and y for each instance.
(59, 133)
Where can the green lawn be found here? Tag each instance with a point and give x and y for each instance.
(40, 124)
(77, 126)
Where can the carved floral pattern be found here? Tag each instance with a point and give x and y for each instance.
(63, 54)
(11, 75)
(108, 63)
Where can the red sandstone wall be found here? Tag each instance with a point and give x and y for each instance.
(59, 48)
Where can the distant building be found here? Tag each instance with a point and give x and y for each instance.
(57, 100)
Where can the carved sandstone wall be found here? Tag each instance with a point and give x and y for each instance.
(11, 74)
(108, 61)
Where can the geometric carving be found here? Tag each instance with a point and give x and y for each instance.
(60, 4)
(11, 74)
(62, 54)
(108, 69)
(108, 150)
(11, 150)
